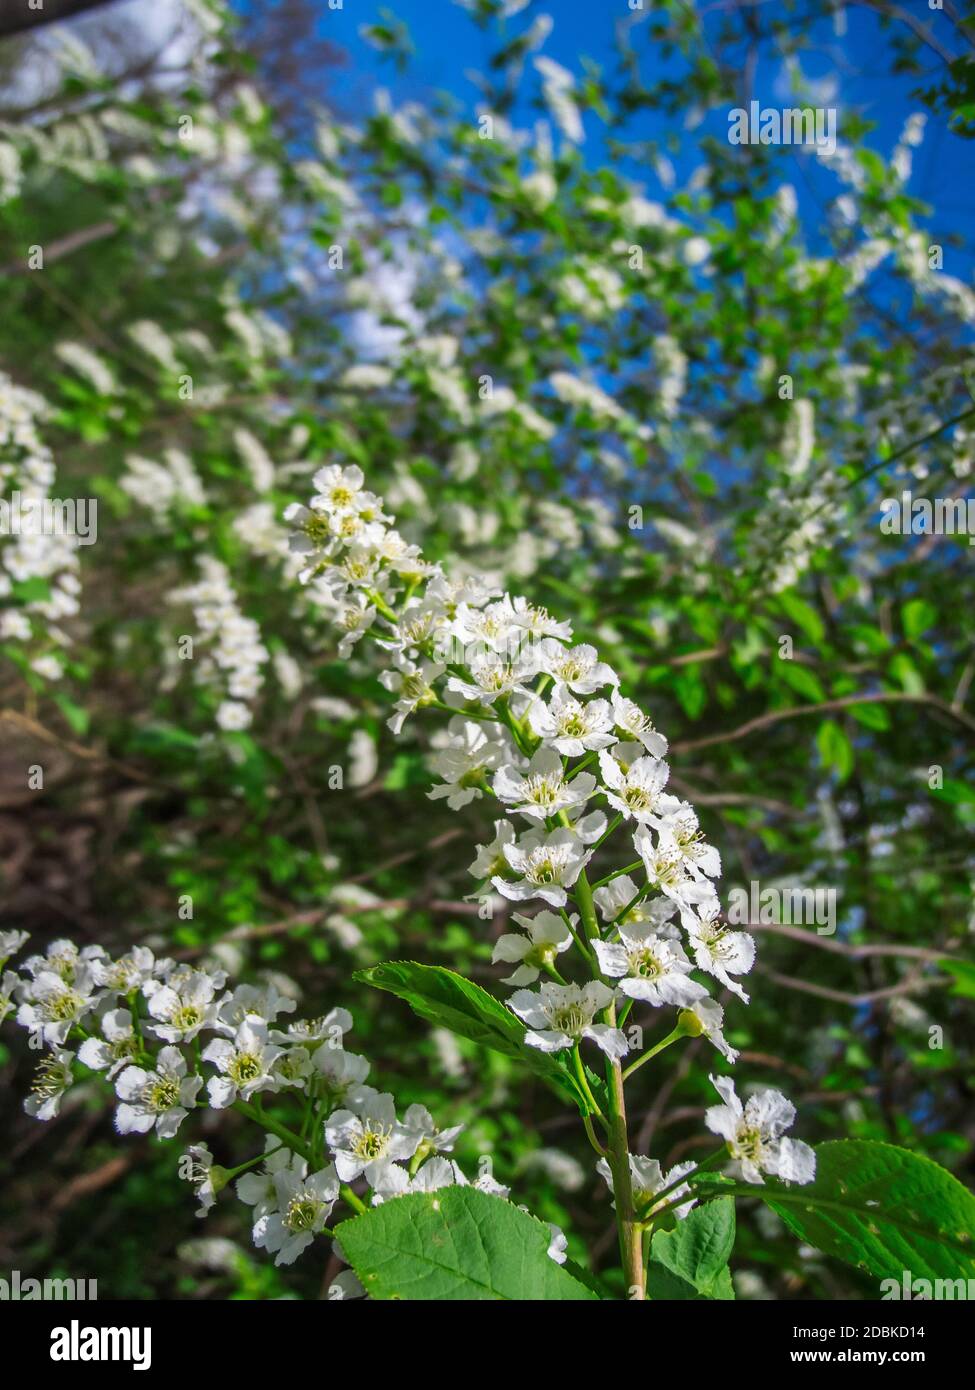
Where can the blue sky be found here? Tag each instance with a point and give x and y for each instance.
(449, 45)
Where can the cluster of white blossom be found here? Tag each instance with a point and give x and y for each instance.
(30, 550)
(540, 725)
(169, 1038)
(235, 653)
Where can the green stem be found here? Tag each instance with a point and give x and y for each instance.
(618, 873)
(607, 832)
(618, 1157)
(587, 1122)
(584, 1083)
(355, 1202)
(652, 1052)
(293, 1141)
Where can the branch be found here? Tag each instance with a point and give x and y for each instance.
(57, 250)
(912, 985)
(776, 715)
(855, 952)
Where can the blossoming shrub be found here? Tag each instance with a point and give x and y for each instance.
(538, 355)
(499, 664)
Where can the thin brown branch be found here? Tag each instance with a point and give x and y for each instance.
(775, 716)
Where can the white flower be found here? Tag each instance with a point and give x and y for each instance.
(343, 1073)
(491, 858)
(463, 764)
(636, 791)
(649, 967)
(161, 1098)
(577, 669)
(338, 488)
(51, 1080)
(718, 950)
(129, 972)
(258, 1190)
(263, 1001)
(629, 719)
(432, 1140)
(648, 1179)
(11, 942)
(196, 1166)
(559, 1016)
(696, 250)
(118, 1047)
(667, 869)
(547, 937)
(558, 1245)
(546, 866)
(359, 1137)
(53, 1004)
(421, 621)
(539, 621)
(491, 627)
(330, 1027)
(183, 1006)
(304, 1205)
(753, 1134)
(613, 898)
(543, 789)
(62, 958)
(245, 1064)
(393, 1180)
(354, 618)
(571, 726)
(680, 827)
(232, 716)
(494, 674)
(10, 982)
(293, 1067)
(413, 684)
(709, 1020)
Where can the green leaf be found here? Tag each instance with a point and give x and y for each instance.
(802, 680)
(917, 616)
(448, 1000)
(76, 715)
(835, 748)
(964, 976)
(956, 792)
(882, 1209)
(695, 1254)
(803, 615)
(455, 1244)
(871, 716)
(903, 670)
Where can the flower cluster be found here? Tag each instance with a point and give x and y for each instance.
(236, 653)
(539, 725)
(168, 1038)
(35, 557)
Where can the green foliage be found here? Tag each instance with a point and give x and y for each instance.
(456, 1244)
(881, 1209)
(447, 1000)
(691, 1261)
